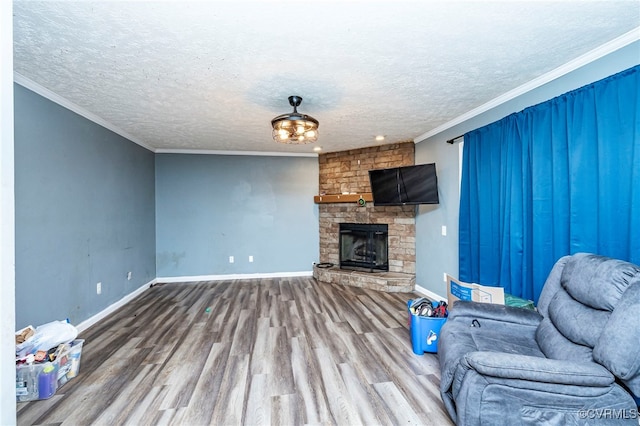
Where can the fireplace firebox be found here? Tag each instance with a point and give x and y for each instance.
(364, 246)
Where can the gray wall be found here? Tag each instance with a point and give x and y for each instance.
(436, 254)
(210, 207)
(84, 213)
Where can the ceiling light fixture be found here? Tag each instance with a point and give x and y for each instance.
(380, 138)
(294, 128)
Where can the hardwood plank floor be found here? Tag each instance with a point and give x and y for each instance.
(281, 351)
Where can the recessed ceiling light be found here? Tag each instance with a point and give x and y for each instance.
(317, 148)
(380, 138)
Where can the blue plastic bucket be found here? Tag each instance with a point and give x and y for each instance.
(425, 331)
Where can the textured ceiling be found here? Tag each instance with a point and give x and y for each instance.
(186, 75)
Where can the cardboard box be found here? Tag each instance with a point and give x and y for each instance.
(458, 290)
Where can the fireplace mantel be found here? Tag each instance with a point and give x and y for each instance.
(342, 198)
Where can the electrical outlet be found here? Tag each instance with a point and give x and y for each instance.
(444, 277)
(231, 259)
(129, 276)
(250, 259)
(99, 288)
(444, 231)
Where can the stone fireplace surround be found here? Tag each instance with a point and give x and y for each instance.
(348, 172)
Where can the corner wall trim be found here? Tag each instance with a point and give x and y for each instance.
(113, 307)
(195, 278)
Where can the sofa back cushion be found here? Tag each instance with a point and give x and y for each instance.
(618, 348)
(590, 311)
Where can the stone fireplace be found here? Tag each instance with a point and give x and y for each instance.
(347, 172)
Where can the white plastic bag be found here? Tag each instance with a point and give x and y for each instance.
(47, 336)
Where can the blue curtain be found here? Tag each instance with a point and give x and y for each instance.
(557, 178)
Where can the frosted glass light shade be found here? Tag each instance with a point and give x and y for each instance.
(295, 128)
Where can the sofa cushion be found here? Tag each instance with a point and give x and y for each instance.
(554, 345)
(578, 311)
(552, 285)
(598, 281)
(618, 349)
(462, 339)
(579, 323)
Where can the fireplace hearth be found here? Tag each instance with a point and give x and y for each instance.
(364, 246)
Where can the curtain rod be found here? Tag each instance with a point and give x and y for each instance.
(453, 139)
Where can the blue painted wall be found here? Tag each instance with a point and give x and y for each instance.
(436, 254)
(84, 213)
(210, 207)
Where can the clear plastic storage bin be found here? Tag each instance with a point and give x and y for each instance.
(41, 380)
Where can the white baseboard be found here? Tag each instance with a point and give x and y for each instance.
(184, 279)
(111, 308)
(431, 295)
(193, 278)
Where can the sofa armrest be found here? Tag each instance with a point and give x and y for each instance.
(531, 368)
(490, 311)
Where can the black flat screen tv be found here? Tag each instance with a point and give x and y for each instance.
(405, 185)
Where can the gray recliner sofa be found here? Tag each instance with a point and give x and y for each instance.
(574, 361)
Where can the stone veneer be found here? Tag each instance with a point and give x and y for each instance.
(390, 282)
(348, 171)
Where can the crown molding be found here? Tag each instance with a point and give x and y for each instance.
(66, 103)
(591, 56)
(220, 152)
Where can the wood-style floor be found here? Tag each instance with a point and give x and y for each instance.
(283, 351)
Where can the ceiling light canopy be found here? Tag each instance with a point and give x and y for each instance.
(295, 128)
